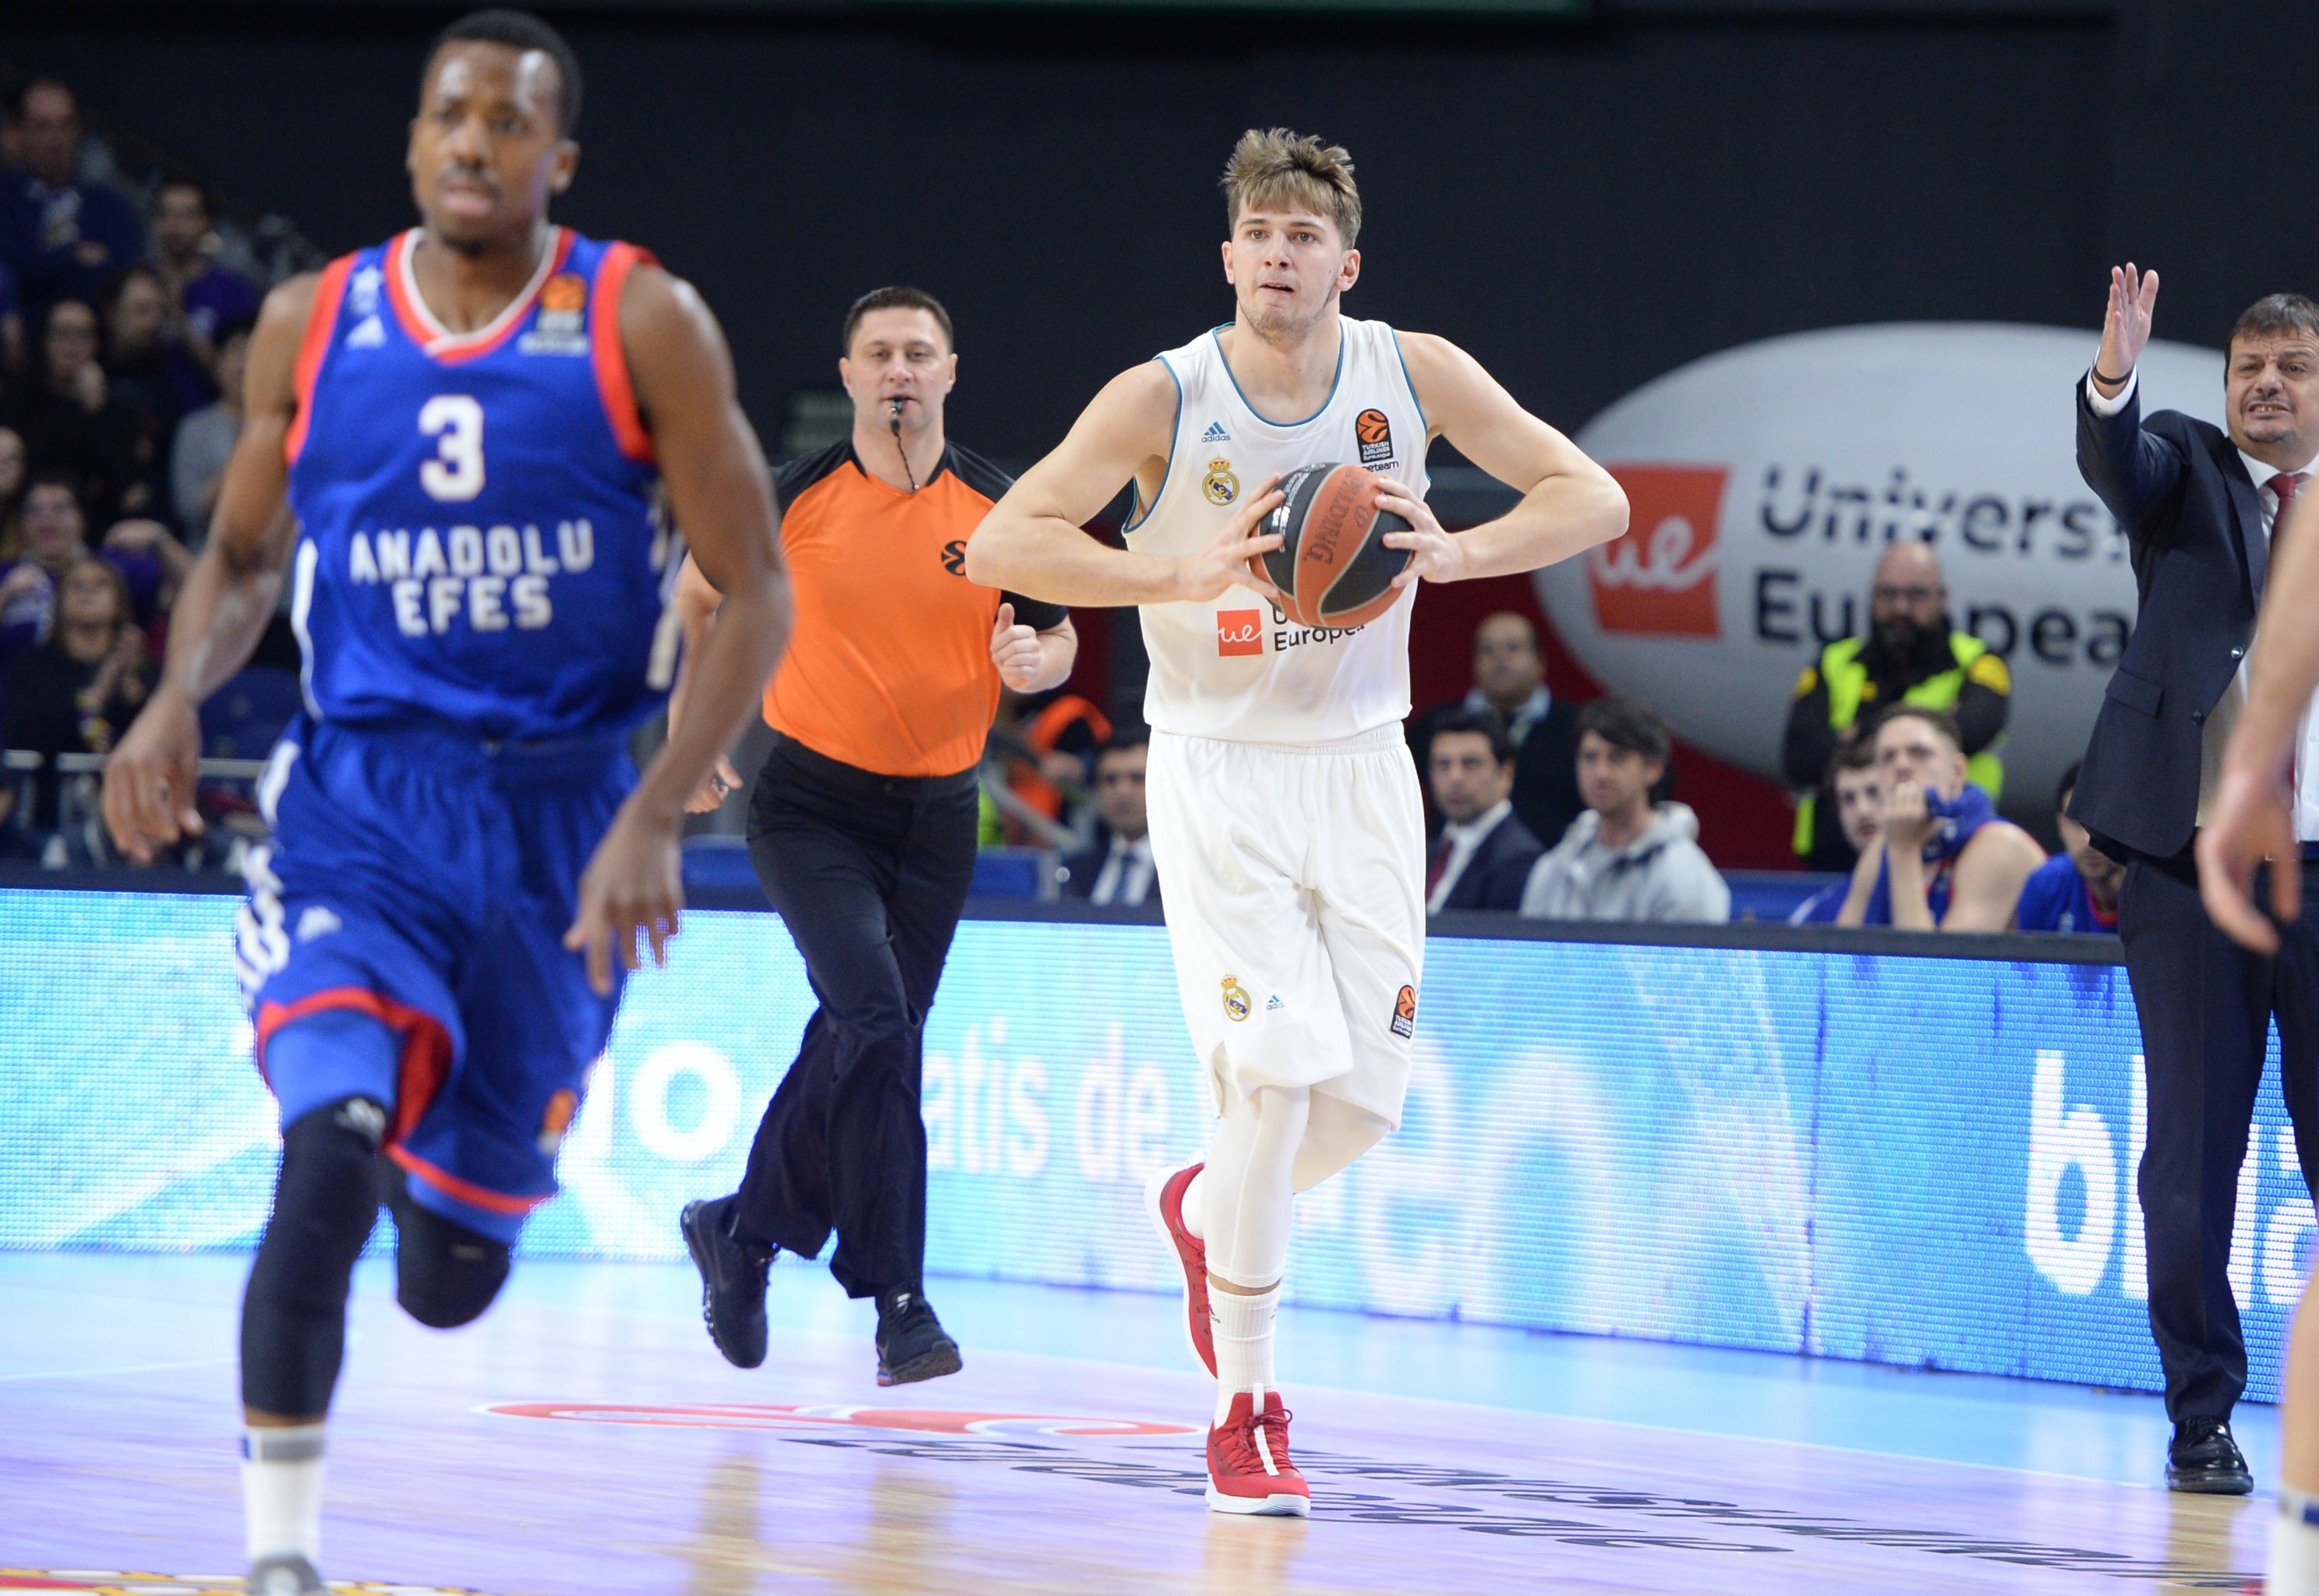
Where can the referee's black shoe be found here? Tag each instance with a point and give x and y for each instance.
(911, 1344)
(731, 1281)
(2203, 1459)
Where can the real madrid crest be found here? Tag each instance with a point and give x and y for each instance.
(1220, 485)
(1235, 999)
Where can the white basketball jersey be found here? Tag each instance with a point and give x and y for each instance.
(1235, 667)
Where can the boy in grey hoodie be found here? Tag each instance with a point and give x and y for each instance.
(1625, 858)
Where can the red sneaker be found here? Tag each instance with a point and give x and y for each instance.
(1163, 1199)
(1249, 1471)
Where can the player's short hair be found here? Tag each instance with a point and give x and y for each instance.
(1479, 723)
(1129, 737)
(1859, 754)
(897, 296)
(2273, 314)
(1629, 724)
(2069, 784)
(521, 30)
(200, 187)
(1940, 720)
(1273, 168)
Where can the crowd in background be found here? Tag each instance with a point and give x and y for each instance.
(122, 337)
(124, 326)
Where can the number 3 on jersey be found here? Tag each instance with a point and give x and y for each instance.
(455, 423)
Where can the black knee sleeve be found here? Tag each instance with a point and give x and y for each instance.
(294, 1314)
(446, 1274)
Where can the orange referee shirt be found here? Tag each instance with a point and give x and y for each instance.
(888, 663)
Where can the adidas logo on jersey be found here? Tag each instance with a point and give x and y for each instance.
(369, 334)
(1216, 434)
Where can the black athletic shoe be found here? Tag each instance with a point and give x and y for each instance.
(2204, 1459)
(731, 1281)
(911, 1344)
(290, 1575)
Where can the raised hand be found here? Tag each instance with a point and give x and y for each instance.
(1231, 560)
(2126, 329)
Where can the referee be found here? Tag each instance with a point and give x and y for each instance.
(862, 827)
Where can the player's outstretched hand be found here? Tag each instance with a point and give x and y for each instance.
(1014, 650)
(1433, 555)
(634, 884)
(2125, 327)
(1230, 561)
(2247, 824)
(714, 788)
(150, 779)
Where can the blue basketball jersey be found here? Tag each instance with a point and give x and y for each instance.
(480, 542)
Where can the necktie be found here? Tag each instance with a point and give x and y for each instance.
(2284, 485)
(1441, 851)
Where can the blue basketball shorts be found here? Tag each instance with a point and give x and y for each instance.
(402, 941)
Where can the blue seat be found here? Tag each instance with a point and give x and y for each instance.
(244, 718)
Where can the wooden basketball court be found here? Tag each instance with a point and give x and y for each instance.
(584, 1438)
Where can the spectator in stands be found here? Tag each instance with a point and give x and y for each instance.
(55, 535)
(15, 469)
(1484, 855)
(204, 299)
(2077, 889)
(206, 438)
(1859, 797)
(78, 690)
(1049, 742)
(136, 314)
(1625, 858)
(1911, 654)
(61, 237)
(153, 562)
(71, 420)
(1510, 681)
(1117, 869)
(1945, 860)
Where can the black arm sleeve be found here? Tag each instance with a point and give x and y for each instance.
(1810, 742)
(1980, 710)
(1036, 613)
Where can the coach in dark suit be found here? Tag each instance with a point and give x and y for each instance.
(1482, 857)
(2197, 506)
(1116, 872)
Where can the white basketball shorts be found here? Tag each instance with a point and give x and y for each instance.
(1293, 877)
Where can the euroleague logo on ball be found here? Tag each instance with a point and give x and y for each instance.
(1660, 577)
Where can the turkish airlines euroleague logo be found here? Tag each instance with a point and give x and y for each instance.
(1240, 631)
(1660, 577)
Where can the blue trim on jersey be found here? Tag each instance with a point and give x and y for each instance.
(1334, 383)
(1410, 382)
(1135, 518)
(485, 555)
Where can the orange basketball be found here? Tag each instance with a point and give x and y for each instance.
(1332, 566)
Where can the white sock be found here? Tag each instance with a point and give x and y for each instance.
(281, 1490)
(1195, 1215)
(2294, 1567)
(1243, 1324)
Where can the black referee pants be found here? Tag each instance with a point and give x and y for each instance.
(2205, 1005)
(870, 873)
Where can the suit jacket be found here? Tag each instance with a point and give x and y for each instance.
(1546, 769)
(2194, 527)
(1076, 873)
(1498, 869)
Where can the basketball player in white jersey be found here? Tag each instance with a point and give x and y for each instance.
(1287, 827)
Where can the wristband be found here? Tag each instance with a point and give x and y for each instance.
(2103, 377)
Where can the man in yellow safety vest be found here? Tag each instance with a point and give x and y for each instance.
(1910, 654)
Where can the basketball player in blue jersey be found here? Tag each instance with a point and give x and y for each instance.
(1286, 822)
(475, 427)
